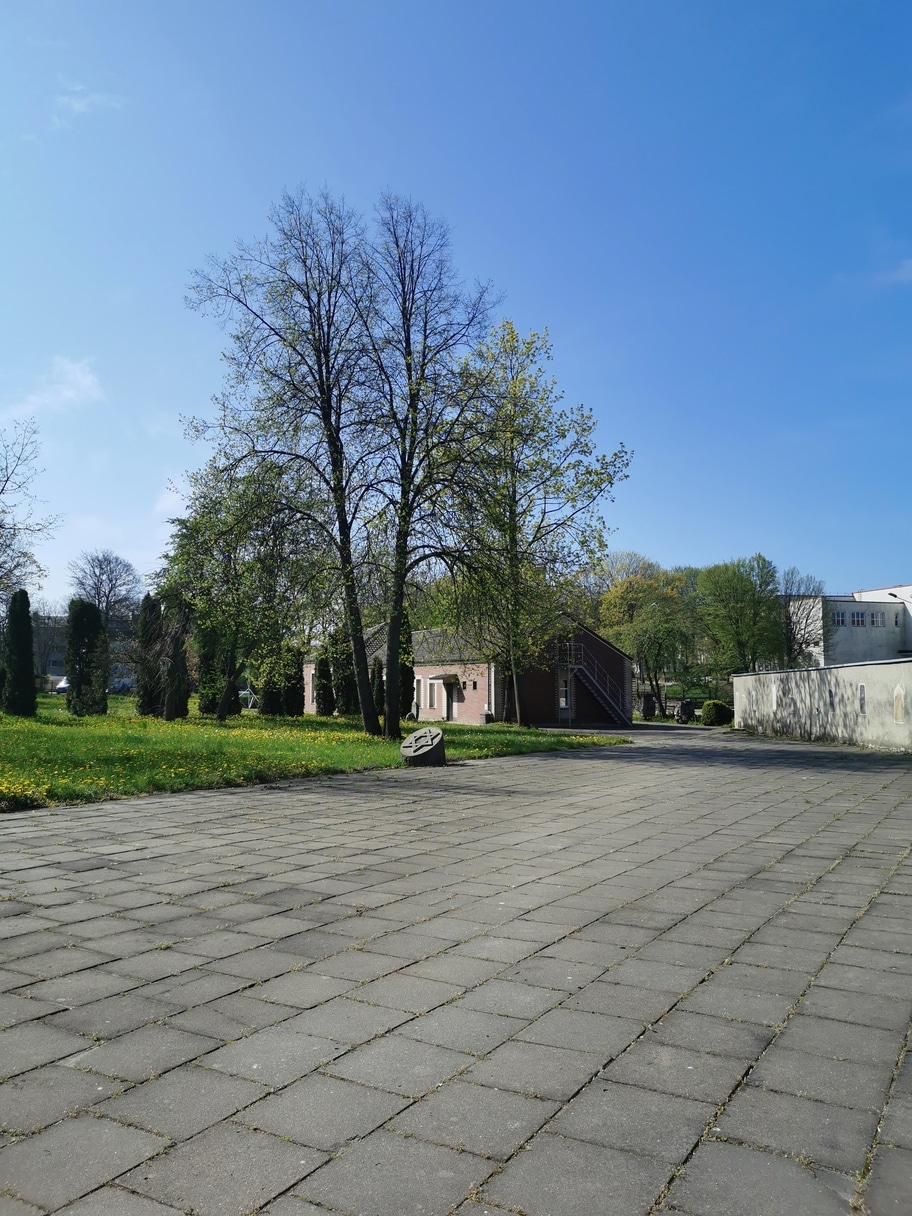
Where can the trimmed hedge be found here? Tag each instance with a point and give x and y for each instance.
(716, 713)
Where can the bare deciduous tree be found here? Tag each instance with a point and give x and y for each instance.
(19, 525)
(109, 582)
(806, 624)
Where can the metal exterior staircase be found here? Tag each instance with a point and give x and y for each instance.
(577, 660)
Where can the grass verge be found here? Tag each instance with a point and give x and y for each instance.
(58, 759)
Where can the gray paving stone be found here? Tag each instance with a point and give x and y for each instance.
(32, 1044)
(115, 1201)
(457, 969)
(17, 1009)
(274, 1056)
(142, 1053)
(511, 999)
(225, 1171)
(537, 1070)
(251, 1011)
(838, 1040)
(347, 1021)
(303, 989)
(183, 1102)
(34, 1099)
(10, 1206)
(635, 1120)
(486, 1121)
(678, 1070)
(576, 1030)
(462, 1029)
(738, 1004)
(862, 979)
(858, 1008)
(841, 1082)
(897, 1123)
(114, 1015)
(828, 1135)
(744, 1040)
(887, 1191)
(559, 1177)
(86, 1152)
(621, 1000)
(406, 992)
(380, 1173)
(744, 1182)
(401, 1065)
(323, 1112)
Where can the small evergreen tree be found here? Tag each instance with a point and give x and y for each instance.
(323, 686)
(406, 667)
(210, 685)
(175, 677)
(86, 660)
(345, 687)
(148, 658)
(378, 686)
(293, 682)
(270, 700)
(18, 694)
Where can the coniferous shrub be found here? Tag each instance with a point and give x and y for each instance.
(293, 683)
(148, 658)
(174, 671)
(270, 699)
(323, 685)
(18, 693)
(716, 713)
(406, 667)
(345, 687)
(378, 685)
(86, 660)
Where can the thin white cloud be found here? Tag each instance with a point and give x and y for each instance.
(69, 384)
(77, 100)
(901, 274)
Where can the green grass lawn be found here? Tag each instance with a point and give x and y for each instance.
(58, 759)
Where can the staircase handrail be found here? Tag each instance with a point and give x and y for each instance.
(579, 655)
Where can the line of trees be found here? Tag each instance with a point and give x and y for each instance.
(695, 627)
(374, 434)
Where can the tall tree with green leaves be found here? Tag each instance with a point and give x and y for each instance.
(86, 660)
(527, 503)
(242, 562)
(18, 659)
(649, 615)
(298, 364)
(741, 613)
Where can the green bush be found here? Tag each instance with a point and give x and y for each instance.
(716, 713)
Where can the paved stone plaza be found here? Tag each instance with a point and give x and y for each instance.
(674, 976)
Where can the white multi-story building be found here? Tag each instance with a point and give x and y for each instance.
(865, 627)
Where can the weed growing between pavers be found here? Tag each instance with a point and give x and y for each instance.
(59, 759)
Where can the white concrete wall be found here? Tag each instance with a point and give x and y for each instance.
(865, 703)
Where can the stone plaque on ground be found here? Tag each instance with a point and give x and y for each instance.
(424, 746)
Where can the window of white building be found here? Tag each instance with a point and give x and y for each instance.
(858, 620)
(418, 693)
(432, 695)
(878, 620)
(838, 618)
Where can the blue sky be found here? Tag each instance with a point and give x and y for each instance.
(706, 204)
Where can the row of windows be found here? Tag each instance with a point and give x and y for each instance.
(878, 619)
